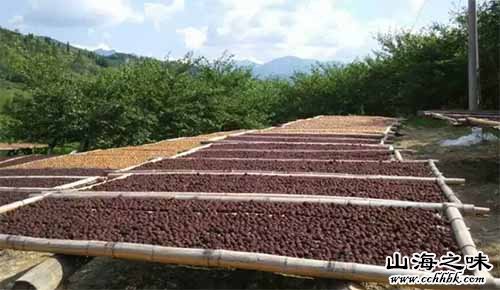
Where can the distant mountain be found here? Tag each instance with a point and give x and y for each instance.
(246, 63)
(104, 52)
(282, 67)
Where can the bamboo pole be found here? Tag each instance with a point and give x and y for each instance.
(453, 121)
(293, 122)
(482, 122)
(464, 238)
(211, 258)
(314, 160)
(118, 177)
(386, 134)
(49, 274)
(267, 129)
(296, 174)
(192, 150)
(17, 204)
(78, 183)
(271, 197)
(450, 195)
(398, 155)
(462, 113)
(435, 170)
(140, 164)
(205, 258)
(222, 138)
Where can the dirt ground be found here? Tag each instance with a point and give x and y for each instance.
(479, 164)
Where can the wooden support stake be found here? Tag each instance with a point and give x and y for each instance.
(398, 155)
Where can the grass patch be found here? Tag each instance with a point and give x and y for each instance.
(425, 122)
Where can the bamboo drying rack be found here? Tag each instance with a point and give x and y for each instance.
(254, 261)
(238, 259)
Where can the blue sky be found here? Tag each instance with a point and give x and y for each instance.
(258, 30)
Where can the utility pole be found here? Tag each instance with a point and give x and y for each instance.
(473, 58)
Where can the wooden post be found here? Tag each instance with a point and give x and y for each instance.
(49, 274)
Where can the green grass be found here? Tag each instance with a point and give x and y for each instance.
(425, 122)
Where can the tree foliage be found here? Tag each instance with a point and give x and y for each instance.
(76, 96)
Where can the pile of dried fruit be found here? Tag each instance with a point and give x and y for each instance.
(282, 154)
(292, 146)
(330, 166)
(354, 123)
(316, 231)
(368, 188)
(306, 135)
(336, 124)
(118, 158)
(244, 138)
(35, 182)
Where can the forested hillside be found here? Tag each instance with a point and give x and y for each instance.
(16, 49)
(71, 95)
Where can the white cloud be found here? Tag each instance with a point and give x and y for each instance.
(309, 29)
(320, 29)
(194, 38)
(158, 12)
(88, 13)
